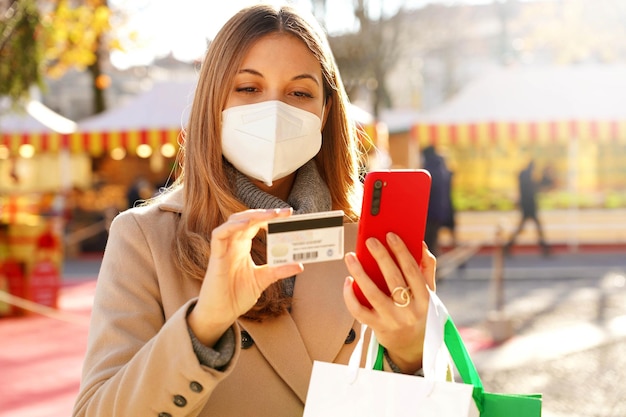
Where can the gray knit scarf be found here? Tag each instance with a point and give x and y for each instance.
(309, 194)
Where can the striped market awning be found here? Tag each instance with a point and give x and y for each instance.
(610, 131)
(94, 143)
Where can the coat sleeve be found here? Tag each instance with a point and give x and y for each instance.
(137, 362)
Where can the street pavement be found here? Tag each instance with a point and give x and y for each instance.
(566, 314)
(567, 319)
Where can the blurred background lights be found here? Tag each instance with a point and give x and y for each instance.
(144, 151)
(168, 150)
(118, 154)
(27, 151)
(4, 152)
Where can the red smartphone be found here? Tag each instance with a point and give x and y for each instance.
(393, 201)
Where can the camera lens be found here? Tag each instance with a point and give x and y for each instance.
(376, 197)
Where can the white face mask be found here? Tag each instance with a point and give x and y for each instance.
(269, 140)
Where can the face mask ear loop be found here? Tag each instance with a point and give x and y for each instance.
(324, 115)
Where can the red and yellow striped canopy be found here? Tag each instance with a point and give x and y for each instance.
(520, 132)
(94, 143)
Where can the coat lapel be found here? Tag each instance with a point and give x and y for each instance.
(317, 327)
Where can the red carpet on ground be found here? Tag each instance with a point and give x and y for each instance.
(41, 357)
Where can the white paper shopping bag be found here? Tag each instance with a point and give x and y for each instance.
(333, 393)
(347, 390)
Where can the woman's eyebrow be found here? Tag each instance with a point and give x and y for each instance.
(297, 77)
(250, 71)
(306, 76)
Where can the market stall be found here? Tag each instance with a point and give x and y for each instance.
(82, 172)
(31, 222)
(571, 120)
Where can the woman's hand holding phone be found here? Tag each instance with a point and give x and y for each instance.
(399, 326)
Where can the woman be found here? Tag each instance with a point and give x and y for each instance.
(187, 319)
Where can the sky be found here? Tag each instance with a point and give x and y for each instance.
(183, 26)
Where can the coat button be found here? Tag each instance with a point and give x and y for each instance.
(180, 401)
(165, 415)
(196, 386)
(246, 340)
(351, 337)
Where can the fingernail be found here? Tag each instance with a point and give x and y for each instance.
(371, 243)
(350, 258)
(392, 237)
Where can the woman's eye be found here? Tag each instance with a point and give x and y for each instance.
(302, 94)
(246, 90)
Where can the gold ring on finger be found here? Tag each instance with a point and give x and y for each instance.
(401, 296)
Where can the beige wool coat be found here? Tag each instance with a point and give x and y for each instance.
(140, 361)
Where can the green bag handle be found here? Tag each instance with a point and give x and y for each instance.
(488, 404)
(463, 362)
(460, 357)
(378, 365)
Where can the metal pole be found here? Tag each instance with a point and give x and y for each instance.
(498, 270)
(499, 325)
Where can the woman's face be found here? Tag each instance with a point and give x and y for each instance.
(279, 67)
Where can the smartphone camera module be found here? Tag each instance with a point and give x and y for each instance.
(376, 196)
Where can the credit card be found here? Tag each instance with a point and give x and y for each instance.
(305, 238)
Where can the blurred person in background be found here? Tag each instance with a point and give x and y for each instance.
(528, 189)
(139, 192)
(440, 210)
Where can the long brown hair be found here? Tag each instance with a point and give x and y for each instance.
(208, 193)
